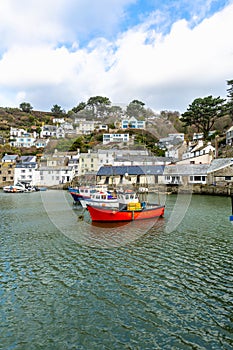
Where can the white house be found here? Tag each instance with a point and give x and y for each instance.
(107, 138)
(48, 131)
(133, 123)
(103, 127)
(15, 132)
(85, 127)
(54, 175)
(106, 157)
(185, 174)
(27, 173)
(10, 158)
(22, 138)
(58, 120)
(198, 153)
(171, 140)
(229, 136)
(41, 143)
(88, 163)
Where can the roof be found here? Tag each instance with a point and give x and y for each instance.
(130, 170)
(26, 159)
(230, 129)
(124, 152)
(9, 157)
(220, 163)
(29, 165)
(186, 169)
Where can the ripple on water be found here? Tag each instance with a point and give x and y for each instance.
(106, 288)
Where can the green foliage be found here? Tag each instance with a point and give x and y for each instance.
(229, 104)
(64, 145)
(56, 109)
(136, 109)
(79, 107)
(98, 105)
(148, 140)
(79, 143)
(203, 112)
(111, 126)
(25, 107)
(98, 101)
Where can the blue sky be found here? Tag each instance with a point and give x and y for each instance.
(164, 53)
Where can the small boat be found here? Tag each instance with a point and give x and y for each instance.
(40, 188)
(19, 188)
(134, 211)
(84, 192)
(81, 193)
(100, 199)
(111, 199)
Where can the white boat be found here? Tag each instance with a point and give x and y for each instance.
(107, 199)
(101, 199)
(19, 188)
(85, 192)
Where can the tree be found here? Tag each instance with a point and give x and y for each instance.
(57, 110)
(25, 107)
(79, 107)
(98, 104)
(230, 98)
(135, 109)
(203, 112)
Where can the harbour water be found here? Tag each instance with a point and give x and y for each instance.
(69, 284)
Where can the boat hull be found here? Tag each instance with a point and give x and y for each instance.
(77, 197)
(111, 215)
(112, 203)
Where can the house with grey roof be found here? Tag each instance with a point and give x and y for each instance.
(129, 175)
(220, 171)
(10, 158)
(171, 140)
(185, 174)
(25, 172)
(198, 153)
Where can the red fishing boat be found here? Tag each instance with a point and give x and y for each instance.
(134, 211)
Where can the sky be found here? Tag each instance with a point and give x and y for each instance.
(163, 53)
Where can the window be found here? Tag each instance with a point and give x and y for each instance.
(228, 178)
(197, 178)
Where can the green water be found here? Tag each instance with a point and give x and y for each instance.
(68, 284)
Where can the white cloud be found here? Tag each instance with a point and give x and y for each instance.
(166, 71)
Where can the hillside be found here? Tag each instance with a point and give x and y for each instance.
(157, 127)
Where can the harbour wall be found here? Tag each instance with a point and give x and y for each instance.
(216, 190)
